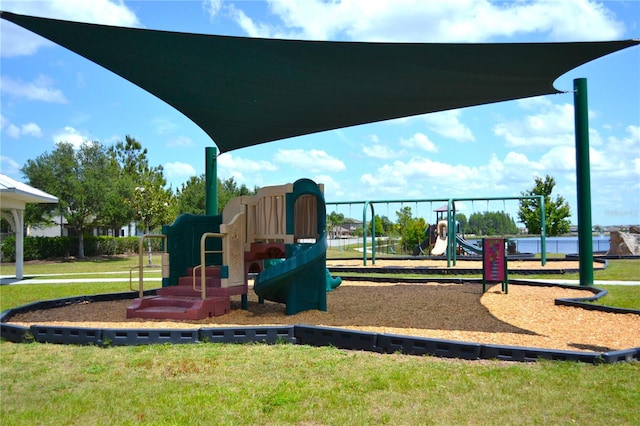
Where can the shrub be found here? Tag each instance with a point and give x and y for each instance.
(42, 248)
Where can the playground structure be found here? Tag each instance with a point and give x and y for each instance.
(446, 226)
(437, 241)
(466, 75)
(276, 236)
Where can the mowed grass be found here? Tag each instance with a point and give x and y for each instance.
(616, 270)
(84, 267)
(289, 384)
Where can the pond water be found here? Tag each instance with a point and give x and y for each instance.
(562, 245)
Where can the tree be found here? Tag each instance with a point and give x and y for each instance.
(190, 197)
(116, 212)
(77, 179)
(131, 157)
(151, 200)
(412, 231)
(556, 211)
(128, 164)
(376, 224)
(334, 223)
(491, 223)
(462, 220)
(387, 226)
(229, 189)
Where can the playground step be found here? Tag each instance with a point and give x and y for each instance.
(185, 291)
(168, 301)
(212, 271)
(188, 281)
(186, 308)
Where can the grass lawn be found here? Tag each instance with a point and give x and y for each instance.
(290, 384)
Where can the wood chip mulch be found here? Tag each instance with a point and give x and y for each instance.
(526, 316)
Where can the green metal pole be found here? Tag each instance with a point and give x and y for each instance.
(543, 232)
(583, 181)
(451, 245)
(364, 233)
(211, 181)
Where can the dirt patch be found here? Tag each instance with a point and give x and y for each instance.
(527, 316)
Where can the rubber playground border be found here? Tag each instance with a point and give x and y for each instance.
(392, 269)
(311, 335)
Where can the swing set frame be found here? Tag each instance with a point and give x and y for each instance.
(369, 205)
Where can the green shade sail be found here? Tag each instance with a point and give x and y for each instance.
(247, 91)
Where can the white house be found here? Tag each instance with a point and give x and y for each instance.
(14, 197)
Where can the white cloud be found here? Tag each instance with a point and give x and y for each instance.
(72, 136)
(452, 21)
(8, 166)
(180, 142)
(313, 161)
(447, 124)
(38, 90)
(627, 147)
(419, 176)
(31, 129)
(212, 7)
(419, 141)
(177, 169)
(618, 160)
(14, 131)
(550, 125)
(164, 126)
(615, 174)
(17, 41)
(332, 188)
(379, 151)
(243, 170)
(375, 149)
(252, 28)
(559, 159)
(388, 179)
(229, 164)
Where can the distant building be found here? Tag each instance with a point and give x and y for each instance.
(60, 228)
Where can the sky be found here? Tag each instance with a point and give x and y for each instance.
(49, 94)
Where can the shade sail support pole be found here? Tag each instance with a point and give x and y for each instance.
(583, 182)
(211, 181)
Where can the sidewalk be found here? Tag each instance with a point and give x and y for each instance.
(59, 278)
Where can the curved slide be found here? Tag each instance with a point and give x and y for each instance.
(440, 246)
(300, 281)
(467, 246)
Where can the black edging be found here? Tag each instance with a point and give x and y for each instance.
(304, 334)
(580, 302)
(431, 270)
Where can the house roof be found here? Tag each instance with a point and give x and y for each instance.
(14, 194)
(247, 91)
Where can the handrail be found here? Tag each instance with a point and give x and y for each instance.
(140, 260)
(131, 278)
(203, 253)
(193, 277)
